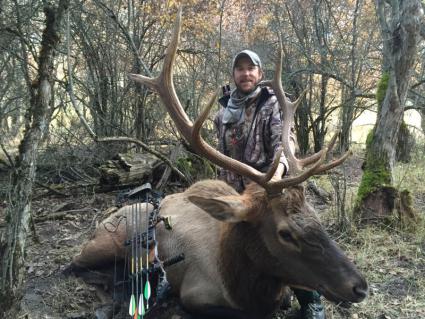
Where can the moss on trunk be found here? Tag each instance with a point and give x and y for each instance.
(377, 200)
(375, 175)
(376, 168)
(375, 196)
(381, 88)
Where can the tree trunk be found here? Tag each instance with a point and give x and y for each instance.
(18, 211)
(348, 95)
(319, 125)
(321, 28)
(422, 111)
(405, 144)
(346, 120)
(301, 119)
(301, 125)
(400, 32)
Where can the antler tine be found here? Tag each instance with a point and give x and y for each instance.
(277, 186)
(288, 112)
(202, 117)
(151, 83)
(315, 157)
(334, 163)
(295, 164)
(314, 170)
(167, 88)
(221, 160)
(273, 167)
(317, 168)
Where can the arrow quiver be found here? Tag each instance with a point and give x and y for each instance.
(146, 280)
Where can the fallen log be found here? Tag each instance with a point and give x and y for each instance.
(126, 169)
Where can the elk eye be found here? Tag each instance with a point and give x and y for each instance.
(286, 236)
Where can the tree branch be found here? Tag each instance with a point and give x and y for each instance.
(359, 93)
(420, 82)
(9, 158)
(126, 35)
(422, 31)
(69, 87)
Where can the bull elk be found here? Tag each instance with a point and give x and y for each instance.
(242, 250)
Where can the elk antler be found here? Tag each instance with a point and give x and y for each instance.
(296, 165)
(164, 86)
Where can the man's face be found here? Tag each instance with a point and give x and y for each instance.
(246, 75)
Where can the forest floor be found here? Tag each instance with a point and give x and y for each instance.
(392, 258)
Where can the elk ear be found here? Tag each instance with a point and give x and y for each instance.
(229, 209)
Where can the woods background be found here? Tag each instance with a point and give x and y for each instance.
(64, 95)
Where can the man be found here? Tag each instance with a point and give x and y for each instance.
(249, 128)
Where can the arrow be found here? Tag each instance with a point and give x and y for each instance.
(132, 305)
(141, 306)
(147, 293)
(132, 308)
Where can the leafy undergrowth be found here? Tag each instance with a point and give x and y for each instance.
(392, 258)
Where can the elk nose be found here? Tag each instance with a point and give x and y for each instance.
(360, 292)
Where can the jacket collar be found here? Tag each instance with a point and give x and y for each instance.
(265, 94)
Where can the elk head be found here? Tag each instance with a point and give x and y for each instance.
(297, 248)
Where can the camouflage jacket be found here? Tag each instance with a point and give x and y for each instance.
(253, 140)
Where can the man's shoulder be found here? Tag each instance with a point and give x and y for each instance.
(268, 98)
(267, 90)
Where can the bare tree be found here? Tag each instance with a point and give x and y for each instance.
(349, 94)
(15, 66)
(13, 245)
(316, 57)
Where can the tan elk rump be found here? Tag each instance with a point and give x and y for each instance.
(242, 251)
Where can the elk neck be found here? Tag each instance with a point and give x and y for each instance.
(244, 262)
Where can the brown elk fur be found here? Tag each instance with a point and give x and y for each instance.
(108, 240)
(241, 274)
(235, 256)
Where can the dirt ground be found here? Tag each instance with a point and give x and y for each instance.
(392, 260)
